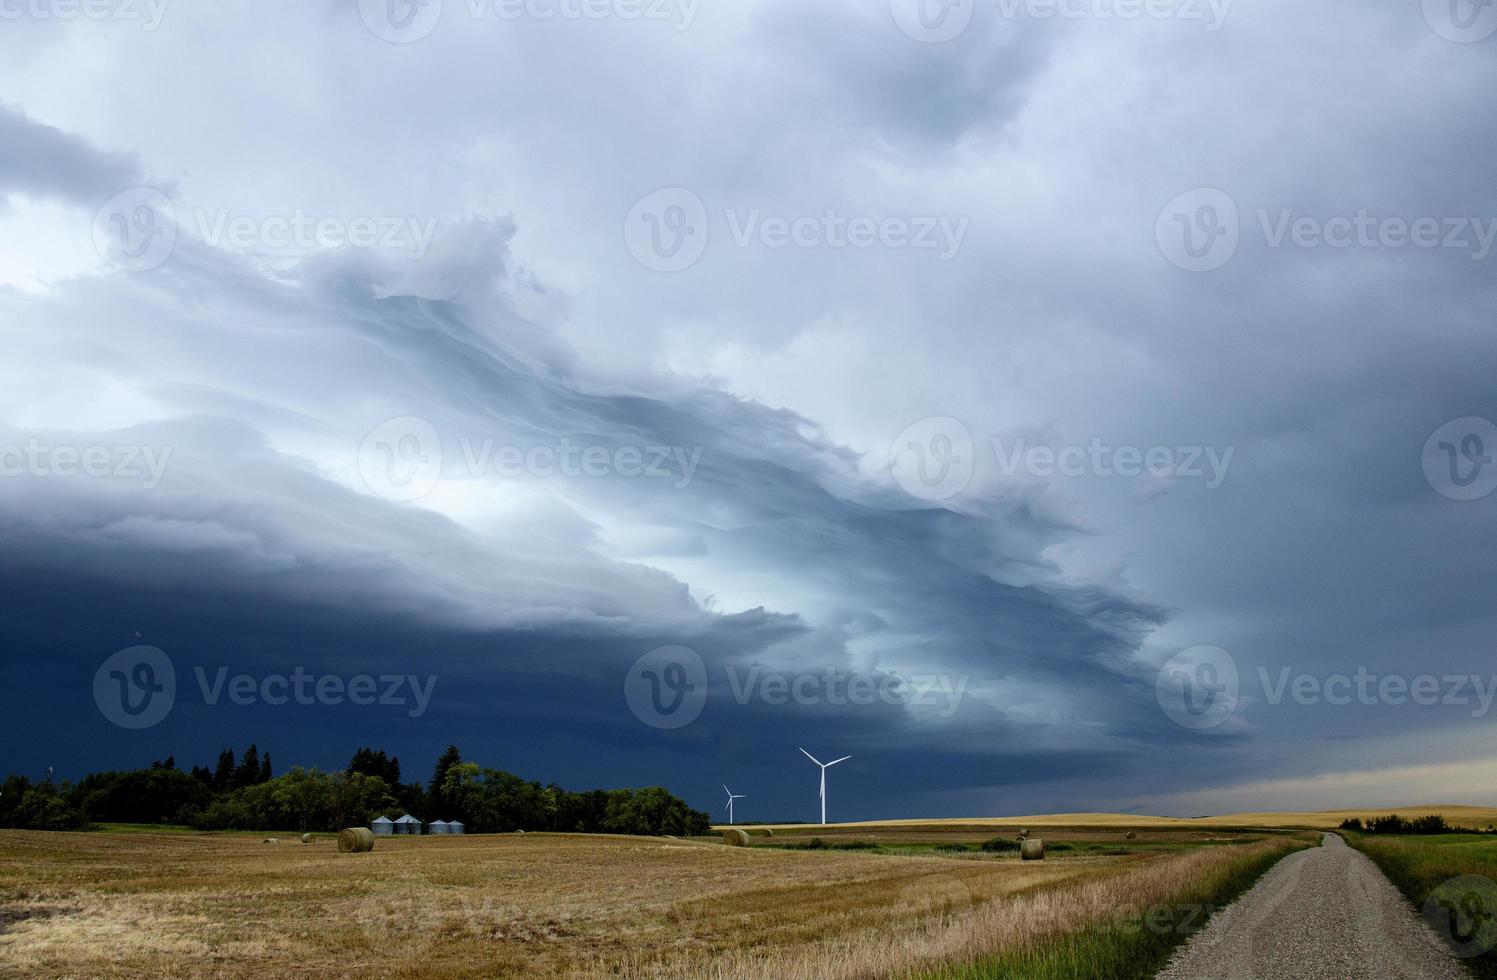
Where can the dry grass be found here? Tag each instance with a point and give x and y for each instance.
(954, 929)
(141, 904)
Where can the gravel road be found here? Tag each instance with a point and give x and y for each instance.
(1326, 912)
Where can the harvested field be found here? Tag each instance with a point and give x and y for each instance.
(895, 836)
(135, 904)
(1460, 816)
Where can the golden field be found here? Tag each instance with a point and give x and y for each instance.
(1478, 817)
(179, 904)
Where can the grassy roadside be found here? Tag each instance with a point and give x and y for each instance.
(1458, 874)
(1158, 915)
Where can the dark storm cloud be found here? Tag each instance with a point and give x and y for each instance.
(242, 498)
(43, 161)
(1326, 369)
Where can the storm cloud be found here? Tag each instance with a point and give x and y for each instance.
(519, 457)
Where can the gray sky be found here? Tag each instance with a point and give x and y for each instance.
(1009, 349)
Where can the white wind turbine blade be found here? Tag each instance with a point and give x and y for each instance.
(810, 756)
(834, 762)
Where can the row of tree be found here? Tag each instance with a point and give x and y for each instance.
(1434, 823)
(250, 770)
(245, 795)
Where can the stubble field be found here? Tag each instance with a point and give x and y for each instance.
(178, 904)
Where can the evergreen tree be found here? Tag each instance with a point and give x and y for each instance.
(381, 765)
(248, 770)
(448, 759)
(223, 776)
(266, 773)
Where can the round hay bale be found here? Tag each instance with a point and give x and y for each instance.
(306, 838)
(271, 840)
(733, 837)
(1131, 836)
(768, 831)
(1024, 833)
(1033, 850)
(355, 840)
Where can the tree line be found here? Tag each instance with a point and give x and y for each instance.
(243, 793)
(1432, 824)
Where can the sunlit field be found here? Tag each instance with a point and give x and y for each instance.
(1459, 816)
(118, 904)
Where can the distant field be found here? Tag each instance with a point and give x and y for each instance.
(1461, 816)
(920, 839)
(119, 904)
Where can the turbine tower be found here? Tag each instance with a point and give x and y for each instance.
(731, 797)
(824, 767)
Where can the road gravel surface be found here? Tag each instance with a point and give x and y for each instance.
(1325, 912)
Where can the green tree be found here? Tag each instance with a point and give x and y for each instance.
(155, 795)
(307, 796)
(39, 806)
(372, 763)
(358, 799)
(223, 775)
(247, 773)
(437, 787)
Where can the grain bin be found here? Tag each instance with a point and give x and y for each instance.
(455, 827)
(407, 825)
(383, 826)
(437, 827)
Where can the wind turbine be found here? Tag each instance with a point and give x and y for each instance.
(731, 797)
(824, 767)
